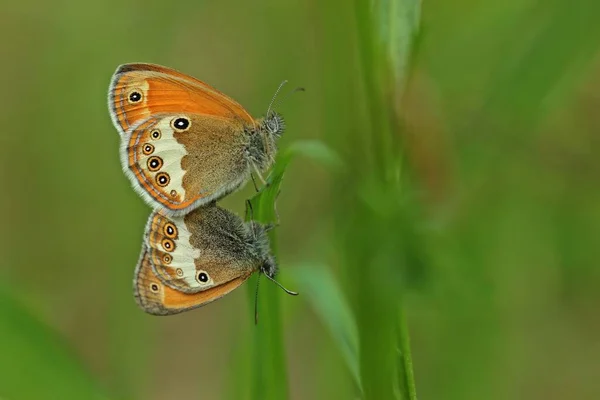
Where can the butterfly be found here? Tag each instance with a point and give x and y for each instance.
(189, 261)
(183, 143)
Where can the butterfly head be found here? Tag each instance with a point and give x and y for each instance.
(261, 248)
(273, 124)
(262, 143)
(269, 267)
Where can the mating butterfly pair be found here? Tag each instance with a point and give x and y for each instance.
(185, 145)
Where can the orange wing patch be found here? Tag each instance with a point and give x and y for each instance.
(157, 299)
(128, 99)
(140, 90)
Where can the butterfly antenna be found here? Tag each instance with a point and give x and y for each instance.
(275, 95)
(281, 286)
(298, 89)
(256, 301)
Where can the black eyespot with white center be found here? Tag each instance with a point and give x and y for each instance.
(135, 97)
(168, 245)
(162, 179)
(148, 149)
(181, 124)
(170, 230)
(154, 288)
(202, 277)
(167, 259)
(155, 134)
(155, 163)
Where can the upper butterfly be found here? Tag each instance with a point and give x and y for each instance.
(184, 143)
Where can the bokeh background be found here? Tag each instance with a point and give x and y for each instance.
(465, 206)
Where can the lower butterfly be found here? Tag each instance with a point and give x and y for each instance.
(189, 261)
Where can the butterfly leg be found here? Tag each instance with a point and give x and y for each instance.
(249, 210)
(250, 213)
(259, 175)
(256, 301)
(254, 182)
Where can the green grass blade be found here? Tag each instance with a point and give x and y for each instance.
(269, 378)
(35, 363)
(387, 30)
(397, 23)
(323, 293)
(269, 372)
(405, 355)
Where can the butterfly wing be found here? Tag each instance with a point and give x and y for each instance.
(138, 91)
(156, 298)
(183, 142)
(200, 251)
(178, 162)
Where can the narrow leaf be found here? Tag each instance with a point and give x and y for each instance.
(269, 377)
(398, 25)
(323, 293)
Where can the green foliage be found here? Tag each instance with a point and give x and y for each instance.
(269, 376)
(268, 373)
(35, 362)
(375, 254)
(321, 289)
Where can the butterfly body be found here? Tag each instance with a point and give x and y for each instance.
(183, 143)
(188, 261)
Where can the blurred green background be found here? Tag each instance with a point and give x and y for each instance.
(466, 208)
